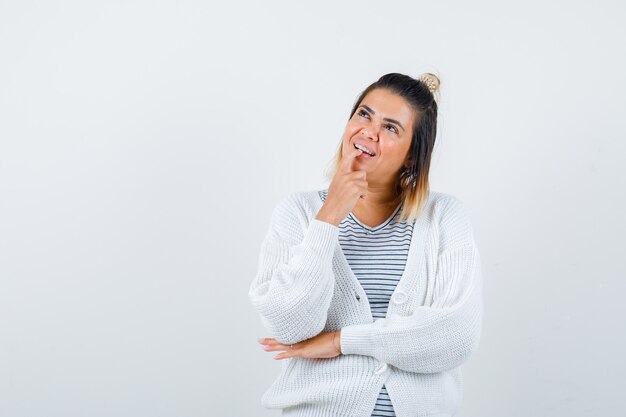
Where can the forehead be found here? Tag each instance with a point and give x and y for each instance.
(388, 104)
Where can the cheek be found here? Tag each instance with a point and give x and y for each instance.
(392, 150)
(350, 130)
(353, 128)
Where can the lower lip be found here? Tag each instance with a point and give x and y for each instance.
(365, 155)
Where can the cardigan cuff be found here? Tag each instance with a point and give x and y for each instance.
(323, 237)
(357, 339)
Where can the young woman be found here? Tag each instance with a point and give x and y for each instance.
(371, 289)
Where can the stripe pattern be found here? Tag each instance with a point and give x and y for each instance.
(377, 256)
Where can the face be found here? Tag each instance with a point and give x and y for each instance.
(383, 123)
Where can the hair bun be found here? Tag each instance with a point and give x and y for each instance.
(431, 81)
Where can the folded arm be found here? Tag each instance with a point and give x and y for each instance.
(442, 336)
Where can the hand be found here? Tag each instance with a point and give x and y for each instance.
(324, 345)
(345, 190)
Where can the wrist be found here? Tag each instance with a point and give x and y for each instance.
(327, 216)
(337, 341)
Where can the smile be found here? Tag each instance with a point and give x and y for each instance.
(363, 148)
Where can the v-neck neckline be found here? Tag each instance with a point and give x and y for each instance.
(380, 226)
(410, 267)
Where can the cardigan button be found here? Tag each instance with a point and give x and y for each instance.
(400, 297)
(382, 369)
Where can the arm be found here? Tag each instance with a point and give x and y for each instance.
(440, 337)
(293, 287)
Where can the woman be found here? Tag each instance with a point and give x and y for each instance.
(372, 288)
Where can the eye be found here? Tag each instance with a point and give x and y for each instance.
(395, 130)
(363, 113)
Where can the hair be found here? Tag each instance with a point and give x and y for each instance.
(412, 184)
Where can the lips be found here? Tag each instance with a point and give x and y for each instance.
(370, 150)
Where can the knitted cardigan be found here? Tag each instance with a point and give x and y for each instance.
(304, 286)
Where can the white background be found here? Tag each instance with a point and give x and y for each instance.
(143, 145)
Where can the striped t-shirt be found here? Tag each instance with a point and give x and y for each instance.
(377, 256)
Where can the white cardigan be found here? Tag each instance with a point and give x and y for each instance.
(304, 286)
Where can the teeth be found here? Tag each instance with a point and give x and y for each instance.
(356, 145)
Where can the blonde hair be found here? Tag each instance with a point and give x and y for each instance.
(421, 94)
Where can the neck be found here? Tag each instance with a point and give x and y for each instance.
(380, 195)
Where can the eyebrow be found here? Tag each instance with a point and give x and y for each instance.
(385, 118)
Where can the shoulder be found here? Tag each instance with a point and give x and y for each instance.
(453, 218)
(294, 210)
(298, 202)
(447, 204)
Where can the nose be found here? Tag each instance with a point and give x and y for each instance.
(370, 132)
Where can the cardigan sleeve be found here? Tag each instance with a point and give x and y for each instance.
(438, 337)
(294, 283)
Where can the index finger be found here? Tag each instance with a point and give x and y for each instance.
(348, 158)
